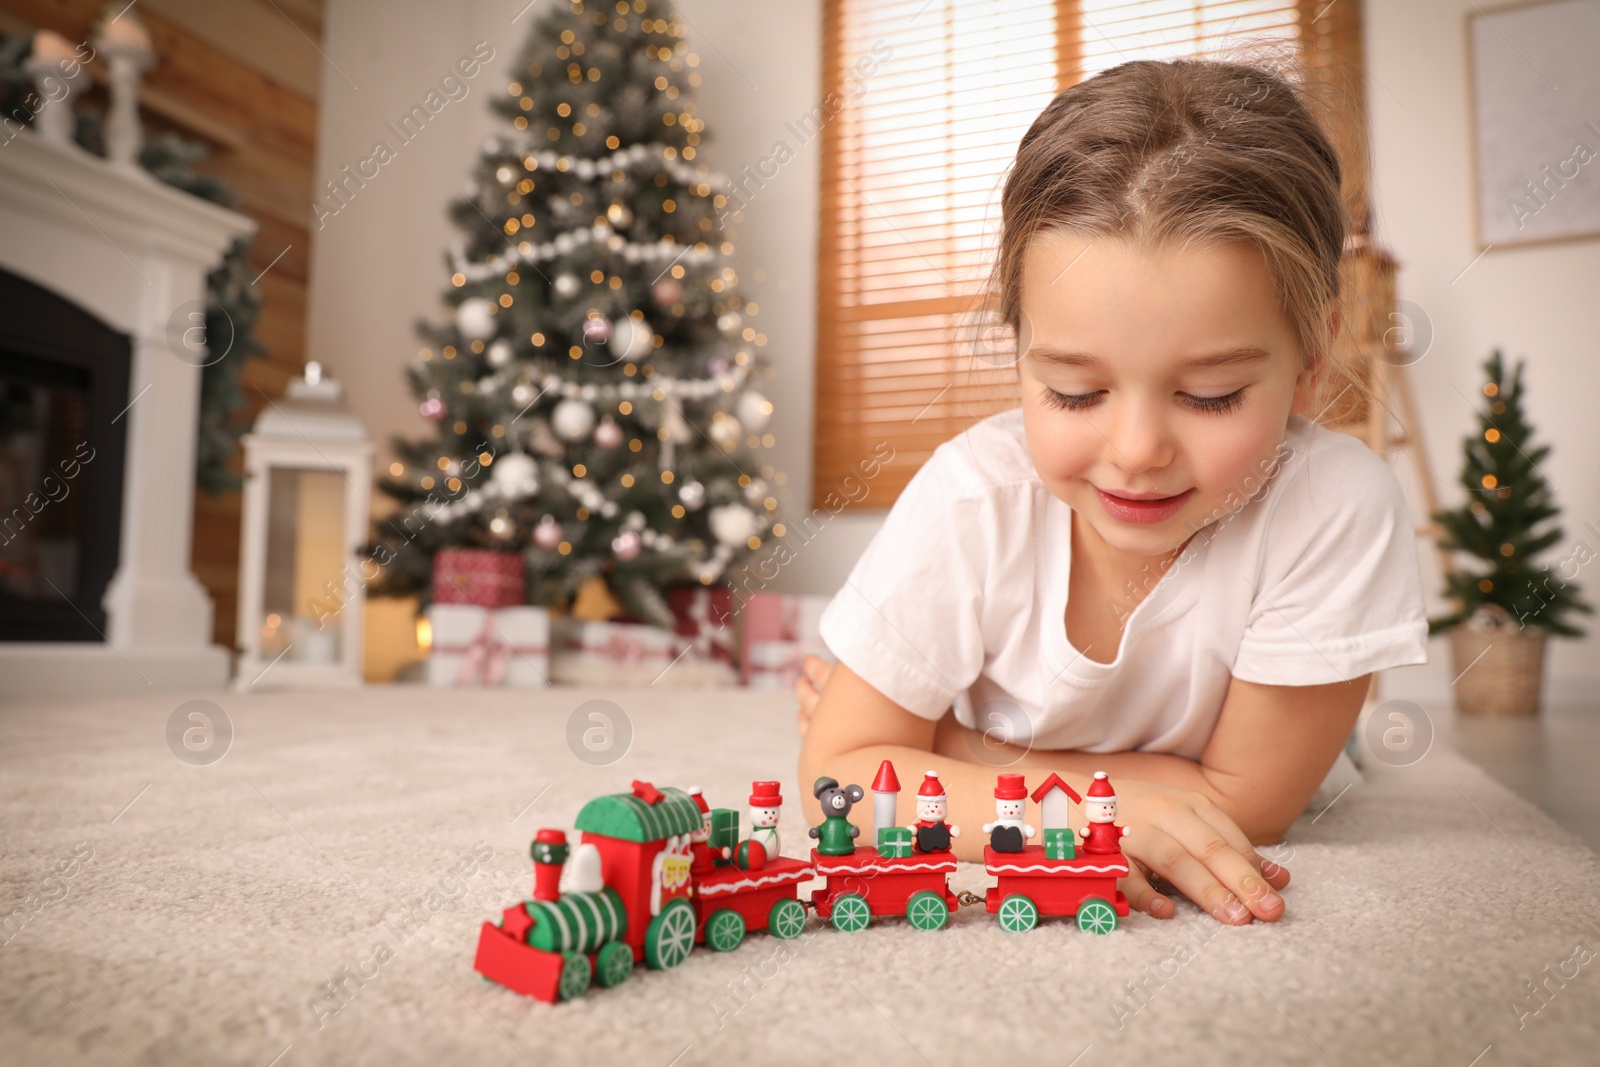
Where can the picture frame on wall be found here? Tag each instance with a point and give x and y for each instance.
(1535, 100)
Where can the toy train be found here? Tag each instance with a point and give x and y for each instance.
(658, 871)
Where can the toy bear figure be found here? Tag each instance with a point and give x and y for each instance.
(836, 837)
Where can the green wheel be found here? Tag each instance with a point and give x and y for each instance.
(850, 913)
(670, 936)
(927, 910)
(1096, 916)
(787, 918)
(724, 930)
(574, 975)
(1018, 914)
(616, 963)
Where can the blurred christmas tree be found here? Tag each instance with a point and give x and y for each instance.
(1508, 497)
(594, 391)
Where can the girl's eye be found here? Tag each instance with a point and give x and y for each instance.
(1217, 405)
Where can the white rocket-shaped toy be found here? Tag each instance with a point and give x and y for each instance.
(885, 790)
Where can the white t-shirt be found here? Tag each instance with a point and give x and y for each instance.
(961, 597)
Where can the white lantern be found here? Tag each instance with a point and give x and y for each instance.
(302, 590)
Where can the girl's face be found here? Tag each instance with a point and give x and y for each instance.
(1125, 392)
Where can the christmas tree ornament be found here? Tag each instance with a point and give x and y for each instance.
(572, 420)
(596, 330)
(730, 322)
(499, 354)
(522, 393)
(432, 407)
(595, 602)
(754, 410)
(732, 524)
(504, 174)
(566, 286)
(547, 534)
(515, 475)
(626, 545)
(542, 442)
(717, 366)
(608, 434)
(726, 433)
(667, 292)
(619, 215)
(475, 319)
(501, 527)
(632, 339)
(692, 494)
(756, 491)
(678, 430)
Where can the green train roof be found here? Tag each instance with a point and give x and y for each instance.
(625, 816)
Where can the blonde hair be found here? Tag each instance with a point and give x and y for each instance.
(1192, 151)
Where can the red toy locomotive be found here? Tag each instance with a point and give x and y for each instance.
(657, 871)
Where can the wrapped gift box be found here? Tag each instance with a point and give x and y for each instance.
(704, 618)
(474, 645)
(480, 576)
(724, 829)
(1058, 844)
(894, 842)
(628, 654)
(779, 631)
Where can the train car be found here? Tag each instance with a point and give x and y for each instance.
(1032, 885)
(866, 883)
(731, 900)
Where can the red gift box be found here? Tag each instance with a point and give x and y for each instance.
(703, 615)
(481, 576)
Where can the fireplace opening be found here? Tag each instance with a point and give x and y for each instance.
(64, 385)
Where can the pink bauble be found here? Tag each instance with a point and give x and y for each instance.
(667, 291)
(625, 545)
(432, 408)
(547, 534)
(608, 434)
(717, 366)
(597, 330)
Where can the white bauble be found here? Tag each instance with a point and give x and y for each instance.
(632, 339)
(726, 433)
(474, 320)
(500, 353)
(732, 524)
(515, 474)
(754, 410)
(572, 420)
(566, 286)
(693, 495)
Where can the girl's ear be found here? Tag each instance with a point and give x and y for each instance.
(1305, 385)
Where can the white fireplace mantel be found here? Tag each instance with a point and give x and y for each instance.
(132, 251)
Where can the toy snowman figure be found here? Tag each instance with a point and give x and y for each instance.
(1008, 831)
(1102, 835)
(766, 803)
(933, 834)
(702, 856)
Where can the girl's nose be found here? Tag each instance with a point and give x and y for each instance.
(1139, 441)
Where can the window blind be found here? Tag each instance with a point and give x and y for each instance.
(912, 169)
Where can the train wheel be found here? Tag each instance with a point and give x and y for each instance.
(850, 913)
(724, 930)
(616, 963)
(670, 936)
(1096, 916)
(787, 918)
(927, 910)
(1018, 914)
(575, 974)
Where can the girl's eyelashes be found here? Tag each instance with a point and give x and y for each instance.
(1214, 405)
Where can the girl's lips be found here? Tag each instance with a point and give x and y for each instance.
(1143, 512)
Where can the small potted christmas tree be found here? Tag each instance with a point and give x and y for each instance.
(1507, 605)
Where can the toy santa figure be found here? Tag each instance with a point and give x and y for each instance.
(1102, 835)
(933, 834)
(765, 805)
(702, 857)
(1008, 831)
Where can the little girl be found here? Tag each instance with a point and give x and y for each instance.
(1159, 565)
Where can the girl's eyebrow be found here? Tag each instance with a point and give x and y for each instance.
(1242, 354)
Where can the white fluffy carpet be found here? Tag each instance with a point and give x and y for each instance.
(221, 900)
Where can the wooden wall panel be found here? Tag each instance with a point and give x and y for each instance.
(244, 78)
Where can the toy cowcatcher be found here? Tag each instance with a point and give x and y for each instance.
(1050, 879)
(860, 881)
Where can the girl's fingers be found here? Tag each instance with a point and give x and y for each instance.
(1142, 896)
(1276, 875)
(1243, 885)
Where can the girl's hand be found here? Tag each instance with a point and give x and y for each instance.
(1184, 838)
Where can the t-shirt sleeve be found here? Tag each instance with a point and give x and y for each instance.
(908, 618)
(1339, 592)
